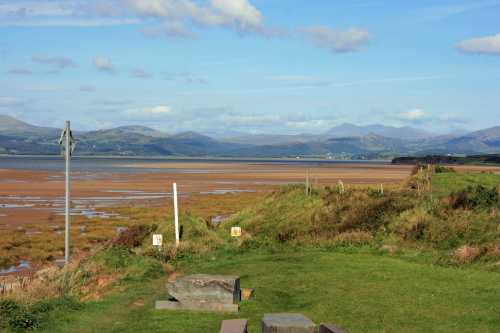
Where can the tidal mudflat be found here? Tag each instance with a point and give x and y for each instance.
(115, 194)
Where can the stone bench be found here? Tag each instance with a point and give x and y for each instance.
(206, 288)
(202, 292)
(234, 326)
(329, 328)
(287, 323)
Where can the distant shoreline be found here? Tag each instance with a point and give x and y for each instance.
(205, 158)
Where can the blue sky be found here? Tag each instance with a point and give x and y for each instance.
(259, 66)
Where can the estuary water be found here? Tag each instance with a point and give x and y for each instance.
(126, 164)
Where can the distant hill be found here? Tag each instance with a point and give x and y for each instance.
(147, 131)
(487, 140)
(12, 126)
(350, 130)
(344, 141)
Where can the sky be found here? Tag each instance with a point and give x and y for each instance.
(251, 66)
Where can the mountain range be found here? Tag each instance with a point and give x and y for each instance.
(344, 141)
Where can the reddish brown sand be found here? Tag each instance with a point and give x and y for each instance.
(204, 178)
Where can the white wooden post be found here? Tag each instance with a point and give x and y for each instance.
(176, 216)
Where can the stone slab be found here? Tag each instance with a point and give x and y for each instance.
(234, 326)
(206, 288)
(197, 306)
(329, 328)
(287, 323)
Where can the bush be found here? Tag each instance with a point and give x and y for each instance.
(443, 169)
(133, 236)
(17, 316)
(116, 258)
(413, 224)
(474, 197)
(8, 309)
(48, 305)
(355, 237)
(24, 320)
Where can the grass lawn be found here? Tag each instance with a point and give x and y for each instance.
(360, 292)
(445, 183)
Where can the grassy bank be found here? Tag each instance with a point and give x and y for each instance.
(423, 257)
(361, 292)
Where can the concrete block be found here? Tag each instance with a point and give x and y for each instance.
(197, 306)
(329, 328)
(234, 326)
(206, 288)
(287, 323)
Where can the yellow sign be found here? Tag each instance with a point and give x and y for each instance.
(235, 232)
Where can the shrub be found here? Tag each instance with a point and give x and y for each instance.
(355, 237)
(443, 169)
(474, 197)
(412, 224)
(8, 309)
(47, 305)
(133, 236)
(467, 254)
(116, 258)
(24, 320)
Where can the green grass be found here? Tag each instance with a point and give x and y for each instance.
(360, 292)
(445, 183)
(316, 255)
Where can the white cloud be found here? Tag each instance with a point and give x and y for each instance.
(481, 45)
(159, 110)
(71, 22)
(442, 12)
(104, 64)
(300, 80)
(6, 102)
(238, 15)
(35, 8)
(293, 78)
(170, 29)
(20, 71)
(175, 18)
(56, 61)
(87, 88)
(140, 74)
(415, 114)
(352, 40)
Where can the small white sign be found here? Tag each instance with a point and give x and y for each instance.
(157, 240)
(236, 232)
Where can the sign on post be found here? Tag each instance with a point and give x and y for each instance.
(157, 240)
(236, 232)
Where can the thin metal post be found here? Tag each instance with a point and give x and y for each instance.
(67, 156)
(176, 216)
